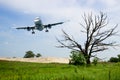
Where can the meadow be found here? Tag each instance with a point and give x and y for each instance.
(54, 71)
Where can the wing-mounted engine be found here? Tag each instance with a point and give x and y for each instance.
(49, 26)
(31, 28)
(28, 28)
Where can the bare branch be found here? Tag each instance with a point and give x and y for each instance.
(93, 27)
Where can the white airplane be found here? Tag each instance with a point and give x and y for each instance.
(39, 26)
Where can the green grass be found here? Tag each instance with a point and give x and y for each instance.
(54, 71)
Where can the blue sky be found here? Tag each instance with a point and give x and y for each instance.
(16, 13)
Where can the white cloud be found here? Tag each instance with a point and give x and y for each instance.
(110, 3)
(59, 9)
(46, 7)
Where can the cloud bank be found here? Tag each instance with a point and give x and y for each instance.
(56, 10)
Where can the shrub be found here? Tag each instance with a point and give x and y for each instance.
(114, 59)
(118, 57)
(38, 55)
(77, 58)
(95, 61)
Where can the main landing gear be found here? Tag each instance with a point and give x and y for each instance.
(33, 32)
(46, 30)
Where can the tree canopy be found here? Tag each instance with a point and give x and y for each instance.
(29, 54)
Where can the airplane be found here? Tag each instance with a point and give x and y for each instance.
(39, 26)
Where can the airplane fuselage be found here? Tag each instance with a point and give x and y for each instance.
(38, 24)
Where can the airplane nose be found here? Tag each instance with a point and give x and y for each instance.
(37, 18)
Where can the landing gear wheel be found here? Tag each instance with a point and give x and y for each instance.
(46, 30)
(33, 32)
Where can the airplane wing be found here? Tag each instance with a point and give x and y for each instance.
(27, 28)
(21, 28)
(50, 25)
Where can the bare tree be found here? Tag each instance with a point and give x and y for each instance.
(95, 29)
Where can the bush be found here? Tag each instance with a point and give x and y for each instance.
(118, 57)
(38, 55)
(114, 59)
(77, 58)
(95, 61)
(29, 54)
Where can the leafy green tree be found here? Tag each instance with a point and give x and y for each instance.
(114, 59)
(38, 55)
(29, 54)
(77, 58)
(118, 57)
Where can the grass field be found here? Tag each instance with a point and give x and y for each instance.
(53, 71)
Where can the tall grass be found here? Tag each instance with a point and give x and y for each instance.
(54, 71)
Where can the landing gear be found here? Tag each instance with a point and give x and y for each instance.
(33, 32)
(46, 30)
